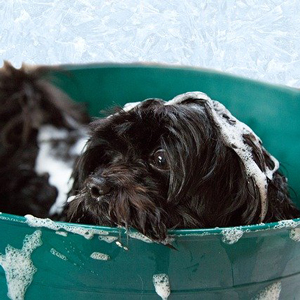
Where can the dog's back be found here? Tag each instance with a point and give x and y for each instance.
(28, 104)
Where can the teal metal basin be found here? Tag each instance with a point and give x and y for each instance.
(44, 259)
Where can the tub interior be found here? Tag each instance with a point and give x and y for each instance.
(270, 110)
(246, 262)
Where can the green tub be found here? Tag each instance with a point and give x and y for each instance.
(68, 261)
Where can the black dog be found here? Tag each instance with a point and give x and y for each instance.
(186, 163)
(39, 130)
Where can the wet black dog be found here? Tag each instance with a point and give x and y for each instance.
(153, 166)
(186, 163)
(37, 121)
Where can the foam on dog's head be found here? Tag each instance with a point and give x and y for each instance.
(233, 132)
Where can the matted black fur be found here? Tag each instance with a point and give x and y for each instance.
(28, 101)
(158, 167)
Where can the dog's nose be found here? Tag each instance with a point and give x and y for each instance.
(98, 186)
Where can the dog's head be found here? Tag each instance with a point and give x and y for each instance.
(28, 101)
(186, 163)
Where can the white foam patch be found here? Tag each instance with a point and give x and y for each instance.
(182, 97)
(295, 234)
(139, 236)
(271, 292)
(59, 170)
(18, 266)
(62, 233)
(286, 224)
(129, 106)
(58, 254)
(232, 131)
(119, 244)
(47, 223)
(231, 235)
(100, 256)
(11, 219)
(167, 241)
(162, 285)
(108, 239)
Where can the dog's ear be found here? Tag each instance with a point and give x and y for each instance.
(209, 170)
(264, 189)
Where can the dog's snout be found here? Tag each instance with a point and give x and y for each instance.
(98, 186)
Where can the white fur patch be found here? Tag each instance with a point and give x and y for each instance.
(59, 170)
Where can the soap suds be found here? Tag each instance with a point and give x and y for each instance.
(108, 239)
(130, 105)
(47, 223)
(100, 256)
(286, 224)
(119, 244)
(18, 266)
(58, 254)
(271, 292)
(11, 219)
(295, 234)
(139, 236)
(62, 233)
(162, 285)
(231, 235)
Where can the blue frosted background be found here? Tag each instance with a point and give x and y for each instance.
(257, 39)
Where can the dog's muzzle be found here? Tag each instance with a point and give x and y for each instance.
(98, 187)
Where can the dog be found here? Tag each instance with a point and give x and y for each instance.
(185, 163)
(41, 134)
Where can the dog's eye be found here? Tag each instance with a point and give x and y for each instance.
(159, 159)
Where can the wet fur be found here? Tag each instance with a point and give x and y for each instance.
(206, 184)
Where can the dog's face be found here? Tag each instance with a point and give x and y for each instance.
(164, 165)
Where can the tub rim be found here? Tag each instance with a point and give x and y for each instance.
(263, 227)
(63, 70)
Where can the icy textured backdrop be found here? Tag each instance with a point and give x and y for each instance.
(257, 39)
